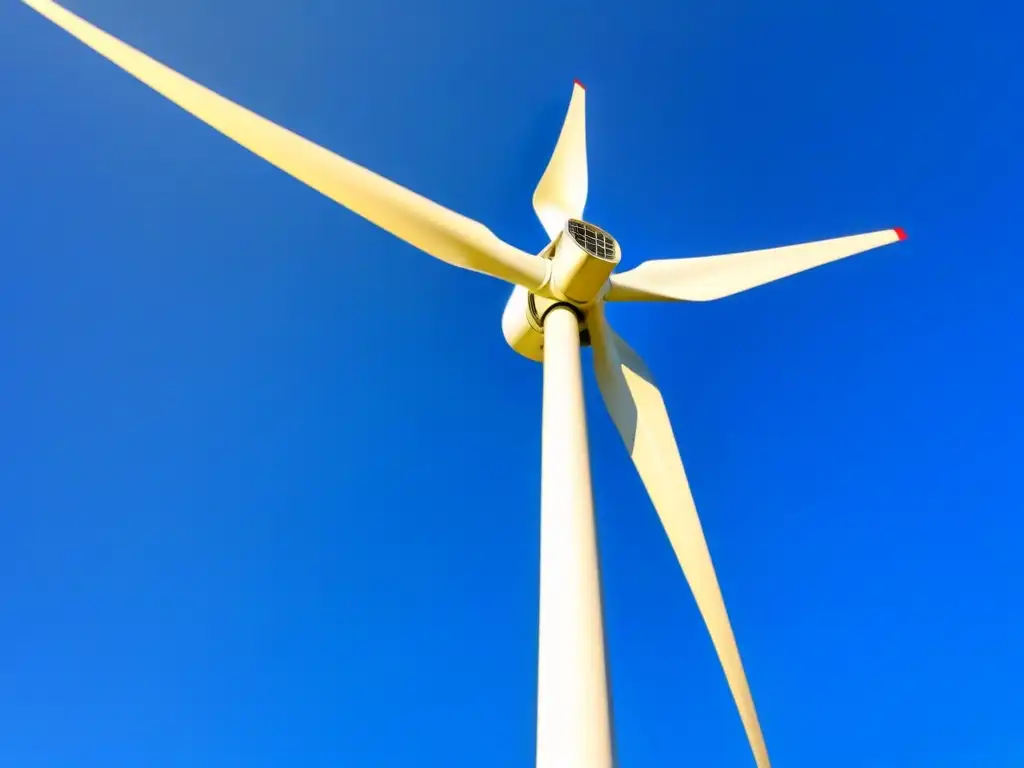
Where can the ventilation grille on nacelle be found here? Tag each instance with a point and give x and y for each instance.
(593, 240)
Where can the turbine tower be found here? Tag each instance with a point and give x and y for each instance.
(556, 306)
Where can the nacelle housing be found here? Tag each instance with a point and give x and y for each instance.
(582, 257)
(522, 323)
(582, 260)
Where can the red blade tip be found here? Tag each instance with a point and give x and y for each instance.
(581, 85)
(901, 233)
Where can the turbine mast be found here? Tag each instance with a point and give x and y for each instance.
(573, 715)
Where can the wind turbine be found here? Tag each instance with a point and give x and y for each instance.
(556, 306)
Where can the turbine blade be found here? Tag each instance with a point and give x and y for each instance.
(442, 233)
(713, 277)
(561, 193)
(638, 410)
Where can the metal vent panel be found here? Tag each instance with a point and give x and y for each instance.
(594, 241)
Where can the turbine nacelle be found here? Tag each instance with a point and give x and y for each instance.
(582, 258)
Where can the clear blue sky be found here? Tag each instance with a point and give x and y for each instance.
(256, 510)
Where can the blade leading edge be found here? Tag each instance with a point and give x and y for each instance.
(561, 193)
(638, 410)
(705, 278)
(432, 228)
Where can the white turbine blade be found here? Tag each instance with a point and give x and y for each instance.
(713, 277)
(561, 193)
(638, 410)
(442, 233)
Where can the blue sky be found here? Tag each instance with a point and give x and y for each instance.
(269, 478)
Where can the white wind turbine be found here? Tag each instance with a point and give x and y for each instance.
(557, 305)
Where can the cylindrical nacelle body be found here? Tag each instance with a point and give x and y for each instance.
(584, 258)
(522, 323)
(521, 326)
